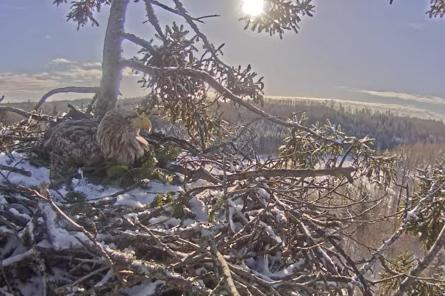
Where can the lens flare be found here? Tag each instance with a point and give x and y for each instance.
(253, 7)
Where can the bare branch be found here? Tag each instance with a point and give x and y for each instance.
(273, 173)
(71, 89)
(151, 269)
(25, 113)
(172, 10)
(139, 41)
(226, 272)
(153, 19)
(47, 198)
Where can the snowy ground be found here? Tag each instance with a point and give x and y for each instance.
(135, 198)
(60, 238)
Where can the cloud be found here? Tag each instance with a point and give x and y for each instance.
(62, 61)
(382, 107)
(404, 96)
(59, 72)
(24, 86)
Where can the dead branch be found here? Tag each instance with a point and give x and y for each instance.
(24, 113)
(264, 173)
(72, 89)
(289, 173)
(47, 198)
(149, 269)
(226, 272)
(15, 170)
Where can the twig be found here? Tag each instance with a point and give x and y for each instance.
(93, 273)
(117, 193)
(90, 106)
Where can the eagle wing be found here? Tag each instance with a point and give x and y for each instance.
(72, 144)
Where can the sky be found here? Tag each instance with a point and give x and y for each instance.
(354, 50)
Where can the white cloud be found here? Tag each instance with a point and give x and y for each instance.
(382, 107)
(60, 72)
(404, 96)
(62, 61)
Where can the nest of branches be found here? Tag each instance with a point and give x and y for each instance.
(238, 224)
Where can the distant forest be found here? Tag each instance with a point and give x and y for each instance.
(389, 129)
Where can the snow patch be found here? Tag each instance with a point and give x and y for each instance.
(146, 288)
(39, 175)
(59, 238)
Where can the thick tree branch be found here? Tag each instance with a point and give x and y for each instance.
(139, 41)
(212, 82)
(68, 89)
(153, 19)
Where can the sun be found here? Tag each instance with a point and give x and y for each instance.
(253, 7)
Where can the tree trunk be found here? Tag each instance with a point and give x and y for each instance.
(111, 71)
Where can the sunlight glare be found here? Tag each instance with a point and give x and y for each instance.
(253, 7)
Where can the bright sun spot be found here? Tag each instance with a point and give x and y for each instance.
(253, 7)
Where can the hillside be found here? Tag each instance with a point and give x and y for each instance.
(389, 129)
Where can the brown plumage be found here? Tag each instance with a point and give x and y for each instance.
(76, 143)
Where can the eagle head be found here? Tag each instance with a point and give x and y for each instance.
(118, 135)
